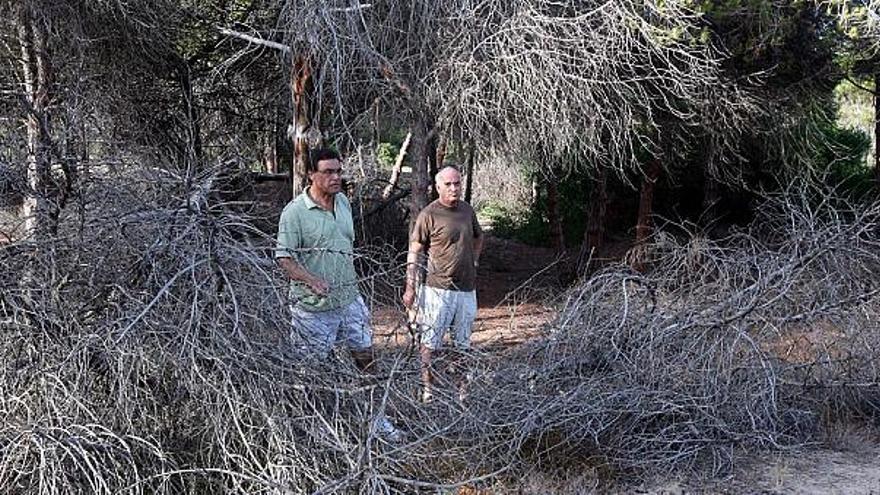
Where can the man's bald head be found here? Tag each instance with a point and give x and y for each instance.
(448, 183)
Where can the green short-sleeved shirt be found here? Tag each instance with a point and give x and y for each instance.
(323, 243)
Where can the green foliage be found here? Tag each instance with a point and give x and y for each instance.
(855, 105)
(389, 146)
(509, 222)
(782, 40)
(386, 153)
(843, 160)
(530, 225)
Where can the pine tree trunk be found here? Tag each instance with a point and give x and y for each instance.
(711, 198)
(37, 77)
(441, 152)
(270, 147)
(646, 202)
(469, 171)
(877, 127)
(375, 124)
(595, 232)
(431, 155)
(193, 126)
(420, 153)
(301, 88)
(554, 217)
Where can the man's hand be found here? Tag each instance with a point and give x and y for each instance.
(409, 296)
(319, 287)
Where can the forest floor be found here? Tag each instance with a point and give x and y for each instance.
(516, 286)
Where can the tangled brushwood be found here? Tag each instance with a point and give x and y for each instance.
(145, 350)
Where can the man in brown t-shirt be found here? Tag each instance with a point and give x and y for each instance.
(448, 230)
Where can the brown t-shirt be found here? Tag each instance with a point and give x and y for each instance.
(448, 234)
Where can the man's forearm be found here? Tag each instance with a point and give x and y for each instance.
(412, 264)
(478, 248)
(295, 271)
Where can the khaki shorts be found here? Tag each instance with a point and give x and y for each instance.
(441, 309)
(316, 332)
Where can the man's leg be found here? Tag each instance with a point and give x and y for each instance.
(427, 379)
(357, 333)
(312, 333)
(434, 319)
(462, 328)
(463, 316)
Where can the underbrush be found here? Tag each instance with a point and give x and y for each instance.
(145, 350)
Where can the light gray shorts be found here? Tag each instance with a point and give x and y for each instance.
(441, 309)
(316, 332)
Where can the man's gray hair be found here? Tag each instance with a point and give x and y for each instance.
(443, 169)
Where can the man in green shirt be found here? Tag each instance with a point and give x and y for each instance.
(316, 251)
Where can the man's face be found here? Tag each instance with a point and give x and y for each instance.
(327, 179)
(449, 187)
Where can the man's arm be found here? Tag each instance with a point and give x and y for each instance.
(412, 272)
(295, 271)
(478, 248)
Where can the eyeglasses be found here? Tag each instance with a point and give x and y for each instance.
(330, 172)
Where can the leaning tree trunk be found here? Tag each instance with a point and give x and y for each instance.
(301, 90)
(37, 77)
(398, 167)
(554, 217)
(646, 202)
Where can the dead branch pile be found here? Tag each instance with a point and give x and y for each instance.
(145, 350)
(754, 341)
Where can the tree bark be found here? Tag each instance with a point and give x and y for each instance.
(594, 233)
(270, 155)
(469, 171)
(877, 127)
(420, 158)
(440, 156)
(375, 136)
(37, 77)
(431, 154)
(711, 198)
(554, 217)
(646, 201)
(270, 146)
(193, 127)
(301, 89)
(398, 167)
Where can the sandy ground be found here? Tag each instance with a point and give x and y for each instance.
(814, 471)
